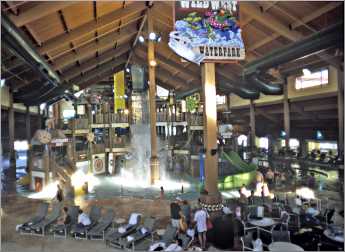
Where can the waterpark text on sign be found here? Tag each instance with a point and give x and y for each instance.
(215, 5)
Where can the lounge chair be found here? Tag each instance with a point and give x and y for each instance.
(81, 232)
(41, 227)
(168, 237)
(97, 232)
(123, 231)
(61, 231)
(142, 232)
(41, 212)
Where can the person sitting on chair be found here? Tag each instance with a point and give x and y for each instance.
(83, 219)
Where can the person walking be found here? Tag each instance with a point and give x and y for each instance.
(59, 193)
(200, 218)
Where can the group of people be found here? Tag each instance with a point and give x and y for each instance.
(83, 219)
(188, 221)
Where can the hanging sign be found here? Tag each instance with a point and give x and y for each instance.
(207, 31)
(119, 91)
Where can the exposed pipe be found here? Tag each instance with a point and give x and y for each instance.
(329, 37)
(34, 59)
(242, 92)
(267, 89)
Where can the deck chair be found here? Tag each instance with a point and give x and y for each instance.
(40, 228)
(142, 232)
(41, 212)
(81, 232)
(97, 232)
(168, 237)
(61, 231)
(123, 231)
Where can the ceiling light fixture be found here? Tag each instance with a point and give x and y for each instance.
(141, 39)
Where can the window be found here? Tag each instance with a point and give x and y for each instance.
(263, 142)
(242, 140)
(68, 113)
(162, 92)
(220, 99)
(309, 79)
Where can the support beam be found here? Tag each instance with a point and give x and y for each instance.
(102, 58)
(143, 21)
(92, 26)
(101, 69)
(252, 125)
(286, 115)
(41, 10)
(103, 43)
(210, 127)
(340, 112)
(154, 165)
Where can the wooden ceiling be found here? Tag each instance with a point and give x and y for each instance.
(84, 42)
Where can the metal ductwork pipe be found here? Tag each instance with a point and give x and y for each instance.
(332, 36)
(16, 40)
(242, 92)
(267, 89)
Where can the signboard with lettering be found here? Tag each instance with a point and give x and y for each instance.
(207, 31)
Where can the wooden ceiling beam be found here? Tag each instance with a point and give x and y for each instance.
(297, 23)
(101, 76)
(100, 69)
(35, 13)
(269, 21)
(106, 56)
(106, 42)
(90, 27)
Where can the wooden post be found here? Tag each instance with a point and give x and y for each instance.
(252, 125)
(154, 165)
(340, 112)
(210, 127)
(286, 115)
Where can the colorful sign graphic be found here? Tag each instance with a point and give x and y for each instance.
(207, 31)
(119, 91)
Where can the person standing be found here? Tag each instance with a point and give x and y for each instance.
(175, 212)
(185, 210)
(200, 217)
(59, 194)
(162, 193)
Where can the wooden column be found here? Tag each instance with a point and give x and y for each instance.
(154, 165)
(252, 124)
(210, 127)
(286, 115)
(340, 112)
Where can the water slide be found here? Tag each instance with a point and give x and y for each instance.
(243, 173)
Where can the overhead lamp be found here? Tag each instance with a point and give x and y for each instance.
(159, 38)
(152, 36)
(43, 106)
(141, 39)
(306, 71)
(66, 91)
(128, 70)
(153, 63)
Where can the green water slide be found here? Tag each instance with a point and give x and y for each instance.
(243, 173)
